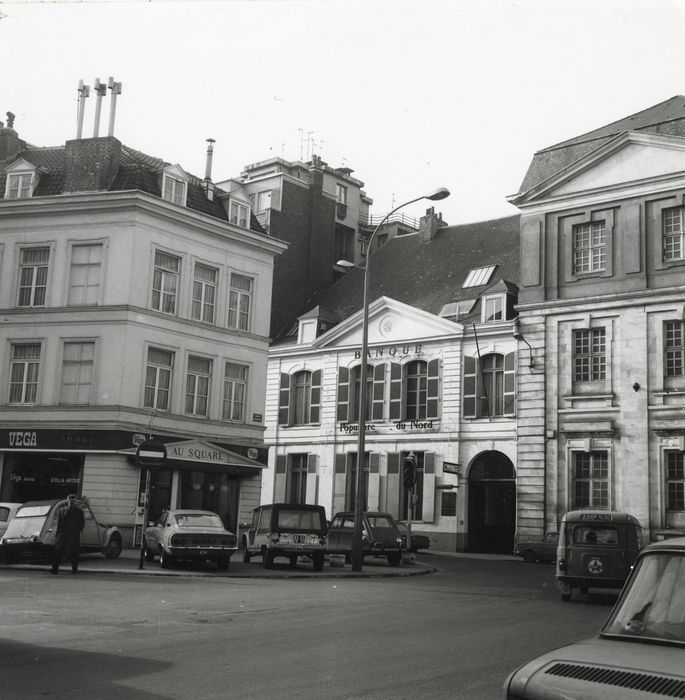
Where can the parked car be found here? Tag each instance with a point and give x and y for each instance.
(7, 512)
(538, 550)
(31, 532)
(418, 540)
(289, 530)
(640, 649)
(380, 536)
(191, 536)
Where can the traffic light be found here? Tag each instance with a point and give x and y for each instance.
(409, 471)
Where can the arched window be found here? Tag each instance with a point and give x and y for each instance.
(416, 383)
(489, 386)
(348, 392)
(299, 398)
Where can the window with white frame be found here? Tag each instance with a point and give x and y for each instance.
(672, 226)
(174, 189)
(19, 185)
(479, 276)
(489, 385)
(33, 276)
(416, 390)
(235, 392)
(165, 279)
(493, 308)
(158, 379)
(24, 367)
(239, 214)
(590, 479)
(589, 355)
(85, 274)
(77, 373)
(204, 293)
(675, 481)
(297, 478)
(674, 348)
(589, 247)
(240, 302)
(299, 398)
(198, 379)
(340, 193)
(263, 201)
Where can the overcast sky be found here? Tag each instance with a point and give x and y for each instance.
(410, 94)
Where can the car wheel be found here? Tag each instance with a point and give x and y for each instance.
(394, 558)
(317, 561)
(166, 560)
(223, 563)
(149, 554)
(268, 559)
(113, 548)
(529, 556)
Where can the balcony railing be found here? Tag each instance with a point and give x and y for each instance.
(373, 221)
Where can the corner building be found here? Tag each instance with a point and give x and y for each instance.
(601, 303)
(441, 384)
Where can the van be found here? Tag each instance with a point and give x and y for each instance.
(596, 550)
(288, 530)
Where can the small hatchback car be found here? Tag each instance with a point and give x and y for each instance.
(287, 530)
(639, 652)
(380, 536)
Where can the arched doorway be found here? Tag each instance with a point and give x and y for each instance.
(491, 504)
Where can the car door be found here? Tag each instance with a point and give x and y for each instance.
(152, 533)
(346, 533)
(91, 537)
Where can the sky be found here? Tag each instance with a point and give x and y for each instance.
(410, 94)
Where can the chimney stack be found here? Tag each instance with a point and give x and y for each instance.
(210, 153)
(116, 90)
(100, 90)
(429, 225)
(10, 143)
(83, 92)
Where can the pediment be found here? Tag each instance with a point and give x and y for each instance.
(21, 165)
(176, 171)
(630, 158)
(390, 323)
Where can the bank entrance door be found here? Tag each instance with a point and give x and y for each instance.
(491, 504)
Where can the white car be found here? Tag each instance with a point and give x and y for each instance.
(7, 512)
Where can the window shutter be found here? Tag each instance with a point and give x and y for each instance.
(428, 501)
(395, 391)
(509, 385)
(280, 478)
(284, 400)
(373, 496)
(315, 401)
(433, 390)
(470, 387)
(343, 394)
(392, 491)
(311, 489)
(339, 482)
(378, 392)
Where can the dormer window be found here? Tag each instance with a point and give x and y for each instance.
(239, 214)
(494, 308)
(19, 186)
(479, 276)
(175, 185)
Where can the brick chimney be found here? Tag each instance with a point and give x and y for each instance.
(429, 225)
(91, 165)
(10, 143)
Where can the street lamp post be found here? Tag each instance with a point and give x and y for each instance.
(440, 193)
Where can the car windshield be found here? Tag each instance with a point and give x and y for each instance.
(653, 607)
(198, 520)
(299, 520)
(32, 511)
(380, 521)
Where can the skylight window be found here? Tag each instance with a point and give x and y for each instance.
(479, 276)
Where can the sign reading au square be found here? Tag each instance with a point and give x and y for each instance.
(151, 453)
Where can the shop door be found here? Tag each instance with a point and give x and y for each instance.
(491, 504)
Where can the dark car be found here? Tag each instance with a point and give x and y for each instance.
(31, 533)
(640, 649)
(531, 550)
(380, 536)
(290, 530)
(418, 540)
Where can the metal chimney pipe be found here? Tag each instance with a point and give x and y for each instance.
(83, 92)
(210, 152)
(100, 90)
(116, 90)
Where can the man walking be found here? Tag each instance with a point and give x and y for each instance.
(70, 522)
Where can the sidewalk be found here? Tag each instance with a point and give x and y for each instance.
(128, 563)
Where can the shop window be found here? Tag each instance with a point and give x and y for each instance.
(590, 479)
(235, 392)
(158, 379)
(675, 481)
(489, 386)
(77, 373)
(33, 276)
(213, 491)
(204, 293)
(240, 302)
(198, 379)
(165, 279)
(39, 476)
(85, 274)
(24, 368)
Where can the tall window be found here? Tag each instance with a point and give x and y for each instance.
(204, 293)
(301, 399)
(356, 384)
(674, 348)
(493, 309)
(589, 355)
(24, 366)
(675, 481)
(77, 373)
(240, 302)
(589, 247)
(235, 391)
(33, 276)
(85, 274)
(165, 282)
(158, 379)
(239, 214)
(174, 190)
(590, 479)
(198, 379)
(673, 234)
(417, 381)
(263, 201)
(297, 481)
(19, 186)
(489, 386)
(340, 194)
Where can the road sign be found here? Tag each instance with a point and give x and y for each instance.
(151, 453)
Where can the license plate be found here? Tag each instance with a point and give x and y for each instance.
(298, 539)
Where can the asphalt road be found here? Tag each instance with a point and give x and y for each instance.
(455, 633)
